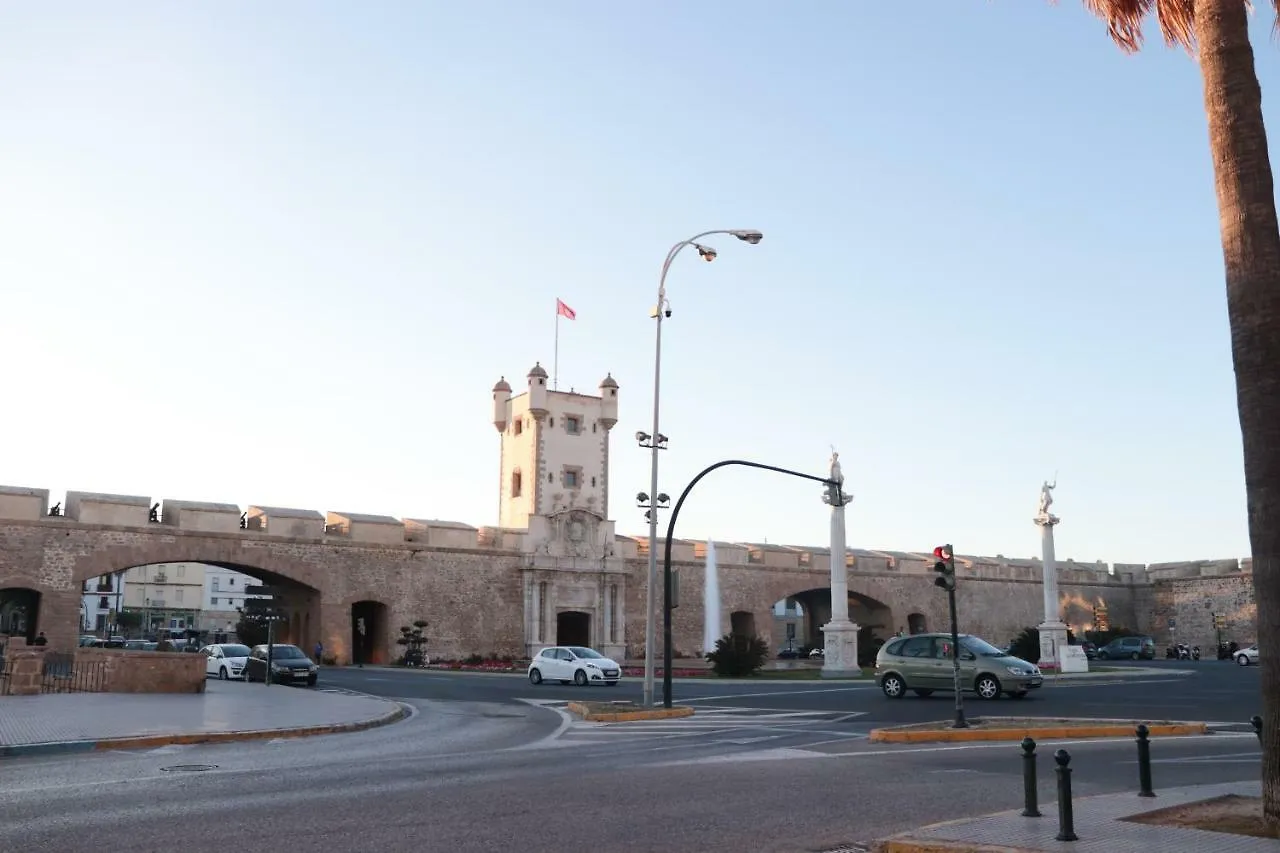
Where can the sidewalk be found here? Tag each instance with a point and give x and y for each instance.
(1098, 825)
(227, 711)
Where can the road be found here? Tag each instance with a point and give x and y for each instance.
(487, 763)
(1211, 691)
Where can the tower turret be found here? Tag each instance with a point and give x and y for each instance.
(608, 401)
(538, 391)
(501, 404)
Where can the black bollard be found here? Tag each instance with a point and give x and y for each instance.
(1030, 795)
(1066, 819)
(1256, 722)
(1144, 762)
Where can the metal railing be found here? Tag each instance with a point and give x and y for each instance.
(60, 672)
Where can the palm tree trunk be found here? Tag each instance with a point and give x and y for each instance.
(1251, 252)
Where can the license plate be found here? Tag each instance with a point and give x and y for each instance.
(1036, 682)
(612, 673)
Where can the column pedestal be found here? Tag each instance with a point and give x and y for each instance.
(1053, 636)
(840, 646)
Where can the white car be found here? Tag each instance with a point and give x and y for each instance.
(225, 660)
(1244, 657)
(578, 664)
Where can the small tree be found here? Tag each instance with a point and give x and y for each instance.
(251, 631)
(415, 643)
(128, 622)
(736, 655)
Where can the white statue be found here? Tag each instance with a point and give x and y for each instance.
(837, 477)
(836, 473)
(1046, 496)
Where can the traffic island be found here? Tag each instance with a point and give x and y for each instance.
(1016, 728)
(625, 712)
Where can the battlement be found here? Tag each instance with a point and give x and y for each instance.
(91, 508)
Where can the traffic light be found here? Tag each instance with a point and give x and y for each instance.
(945, 567)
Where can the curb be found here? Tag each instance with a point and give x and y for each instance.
(1015, 733)
(911, 845)
(629, 716)
(150, 741)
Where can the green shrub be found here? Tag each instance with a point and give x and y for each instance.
(736, 655)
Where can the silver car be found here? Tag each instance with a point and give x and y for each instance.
(922, 663)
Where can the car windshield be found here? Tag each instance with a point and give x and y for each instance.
(286, 653)
(235, 651)
(581, 652)
(982, 648)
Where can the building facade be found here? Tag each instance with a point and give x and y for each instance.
(170, 596)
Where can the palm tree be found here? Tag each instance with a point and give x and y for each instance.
(1217, 33)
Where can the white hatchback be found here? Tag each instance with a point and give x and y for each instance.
(578, 664)
(1244, 657)
(225, 660)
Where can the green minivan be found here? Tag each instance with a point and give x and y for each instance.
(922, 663)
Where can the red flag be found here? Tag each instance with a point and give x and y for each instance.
(565, 311)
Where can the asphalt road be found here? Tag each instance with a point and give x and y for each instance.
(494, 777)
(488, 763)
(1210, 691)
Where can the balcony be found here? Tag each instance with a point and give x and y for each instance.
(104, 586)
(160, 577)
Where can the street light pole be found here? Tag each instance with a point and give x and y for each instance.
(655, 441)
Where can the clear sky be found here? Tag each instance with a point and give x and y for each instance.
(280, 253)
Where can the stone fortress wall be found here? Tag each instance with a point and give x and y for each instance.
(472, 583)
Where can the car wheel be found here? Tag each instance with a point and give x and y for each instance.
(580, 678)
(1018, 694)
(1102, 655)
(923, 694)
(535, 676)
(987, 687)
(1243, 660)
(222, 674)
(893, 686)
(1136, 656)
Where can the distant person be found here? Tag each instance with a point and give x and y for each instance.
(41, 640)
(319, 652)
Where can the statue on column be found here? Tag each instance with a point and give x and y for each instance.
(1046, 499)
(837, 477)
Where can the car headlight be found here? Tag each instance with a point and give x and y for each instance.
(1017, 670)
(313, 668)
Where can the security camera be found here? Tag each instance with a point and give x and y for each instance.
(667, 312)
(642, 436)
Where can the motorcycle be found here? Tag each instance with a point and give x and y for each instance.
(1184, 651)
(1195, 653)
(1170, 652)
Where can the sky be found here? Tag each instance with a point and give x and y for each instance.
(279, 254)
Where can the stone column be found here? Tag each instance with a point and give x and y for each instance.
(840, 635)
(1053, 631)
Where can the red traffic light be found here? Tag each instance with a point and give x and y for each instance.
(942, 552)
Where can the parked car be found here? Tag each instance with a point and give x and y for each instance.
(1244, 657)
(1128, 647)
(578, 664)
(1090, 650)
(225, 660)
(289, 665)
(922, 664)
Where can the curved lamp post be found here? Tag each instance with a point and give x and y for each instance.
(657, 441)
(832, 486)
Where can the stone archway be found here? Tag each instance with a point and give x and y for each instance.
(370, 631)
(573, 628)
(917, 623)
(874, 618)
(20, 614)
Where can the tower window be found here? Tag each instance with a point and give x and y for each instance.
(518, 427)
(573, 425)
(551, 422)
(593, 482)
(517, 483)
(572, 477)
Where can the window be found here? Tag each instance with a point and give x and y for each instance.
(918, 647)
(518, 427)
(231, 581)
(213, 602)
(182, 570)
(517, 483)
(571, 478)
(593, 482)
(215, 584)
(177, 594)
(104, 602)
(573, 425)
(551, 422)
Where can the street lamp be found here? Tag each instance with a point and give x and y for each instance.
(656, 441)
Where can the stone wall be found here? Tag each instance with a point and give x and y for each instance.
(144, 672)
(1191, 603)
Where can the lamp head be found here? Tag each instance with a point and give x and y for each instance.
(749, 235)
(707, 253)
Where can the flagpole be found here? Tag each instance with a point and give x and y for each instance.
(555, 366)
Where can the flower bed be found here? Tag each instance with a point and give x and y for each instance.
(488, 665)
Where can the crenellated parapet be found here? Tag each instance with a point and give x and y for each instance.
(125, 511)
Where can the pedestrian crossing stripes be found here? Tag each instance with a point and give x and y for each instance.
(728, 725)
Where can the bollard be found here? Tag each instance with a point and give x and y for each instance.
(1029, 793)
(1066, 819)
(1144, 762)
(1256, 722)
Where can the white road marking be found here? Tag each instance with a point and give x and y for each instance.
(778, 693)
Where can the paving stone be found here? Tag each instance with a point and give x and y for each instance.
(224, 707)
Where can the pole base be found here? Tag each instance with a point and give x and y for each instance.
(840, 650)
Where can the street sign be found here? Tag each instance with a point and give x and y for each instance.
(1173, 623)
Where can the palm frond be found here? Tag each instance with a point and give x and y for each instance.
(1176, 19)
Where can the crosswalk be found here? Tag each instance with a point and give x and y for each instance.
(721, 725)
